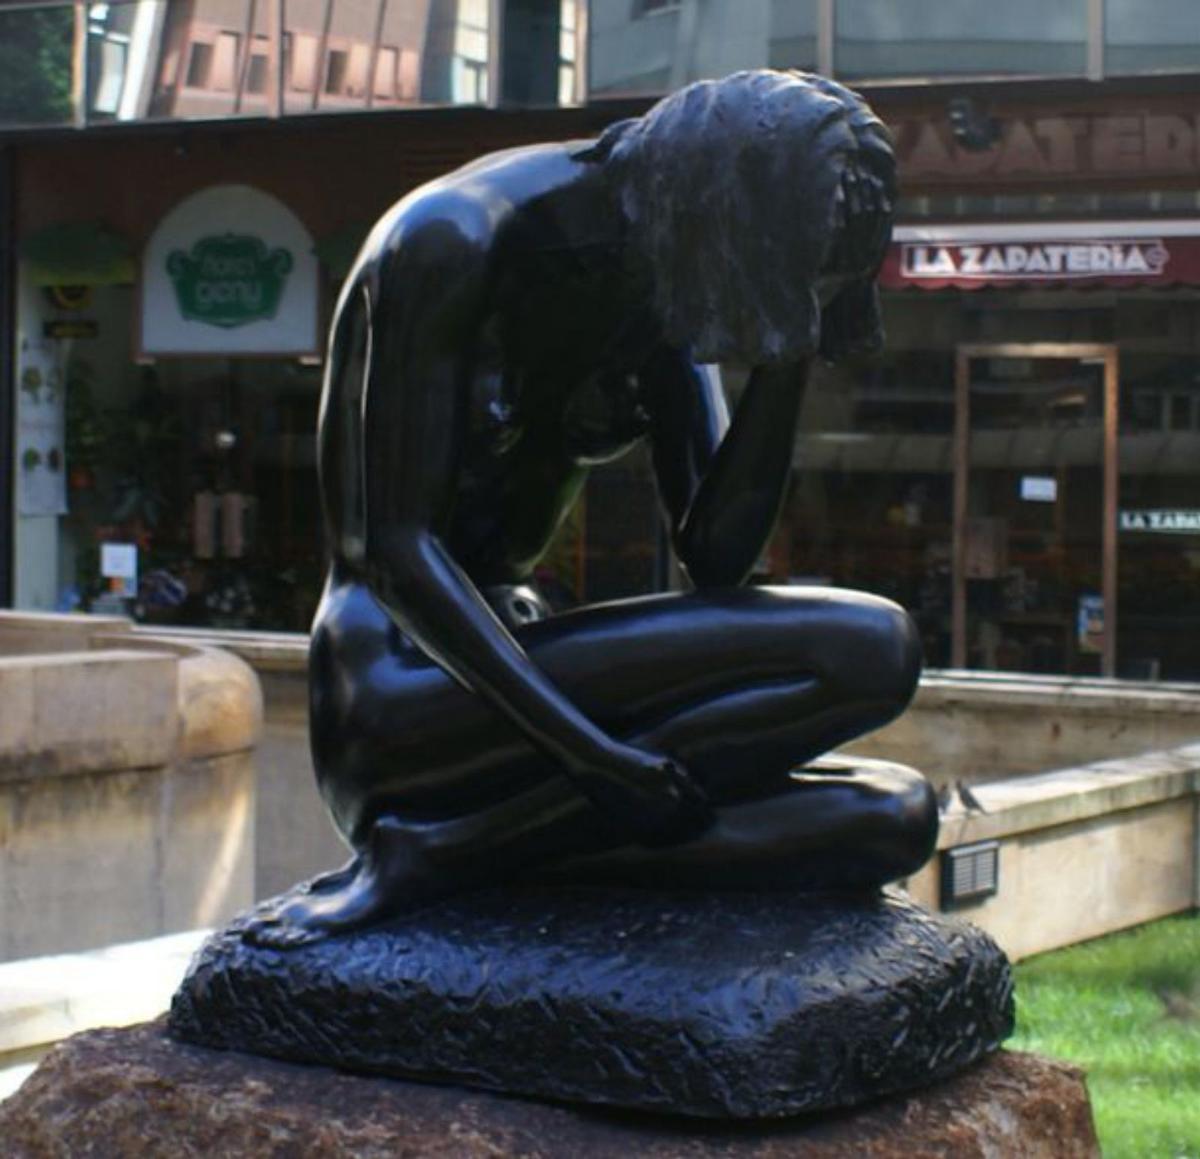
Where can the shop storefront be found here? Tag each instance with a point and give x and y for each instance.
(182, 187)
(165, 414)
(1021, 467)
(172, 300)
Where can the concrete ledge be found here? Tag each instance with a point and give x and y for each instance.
(1087, 694)
(68, 713)
(96, 695)
(44, 1000)
(38, 632)
(220, 705)
(220, 701)
(982, 727)
(1044, 800)
(1083, 851)
(264, 651)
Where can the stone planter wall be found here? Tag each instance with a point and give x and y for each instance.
(127, 786)
(1083, 851)
(982, 727)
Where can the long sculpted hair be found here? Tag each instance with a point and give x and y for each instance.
(742, 195)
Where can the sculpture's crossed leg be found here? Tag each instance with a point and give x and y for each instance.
(742, 686)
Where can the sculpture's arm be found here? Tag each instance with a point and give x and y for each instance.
(722, 491)
(426, 310)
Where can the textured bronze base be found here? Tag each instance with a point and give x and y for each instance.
(713, 1005)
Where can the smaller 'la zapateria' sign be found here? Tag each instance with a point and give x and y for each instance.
(1036, 260)
(1163, 521)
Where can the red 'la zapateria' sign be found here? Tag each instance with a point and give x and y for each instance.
(940, 256)
(1035, 260)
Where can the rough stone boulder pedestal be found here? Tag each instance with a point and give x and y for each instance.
(136, 1092)
(712, 1005)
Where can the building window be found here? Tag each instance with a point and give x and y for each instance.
(385, 74)
(256, 76)
(410, 74)
(225, 62)
(199, 67)
(336, 65)
(1159, 37)
(356, 71)
(469, 65)
(470, 81)
(568, 30)
(925, 38)
(302, 75)
(109, 63)
(649, 7)
(631, 54)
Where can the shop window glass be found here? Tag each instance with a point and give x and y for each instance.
(635, 50)
(1033, 571)
(870, 505)
(1181, 412)
(1163, 36)
(1158, 535)
(613, 545)
(871, 501)
(918, 38)
(206, 466)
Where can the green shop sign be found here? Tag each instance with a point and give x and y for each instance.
(229, 280)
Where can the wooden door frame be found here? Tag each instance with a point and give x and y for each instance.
(1103, 352)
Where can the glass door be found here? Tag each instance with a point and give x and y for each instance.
(1034, 568)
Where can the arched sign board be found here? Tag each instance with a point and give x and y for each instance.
(229, 271)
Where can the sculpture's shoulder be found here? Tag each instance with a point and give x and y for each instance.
(465, 211)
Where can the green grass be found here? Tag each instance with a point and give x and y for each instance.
(1126, 1008)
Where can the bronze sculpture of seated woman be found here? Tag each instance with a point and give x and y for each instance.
(505, 328)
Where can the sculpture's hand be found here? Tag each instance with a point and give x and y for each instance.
(647, 794)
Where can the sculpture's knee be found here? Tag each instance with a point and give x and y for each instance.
(918, 824)
(904, 834)
(878, 662)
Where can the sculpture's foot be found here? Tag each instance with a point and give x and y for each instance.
(387, 878)
(332, 879)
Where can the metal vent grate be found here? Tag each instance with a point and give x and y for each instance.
(970, 873)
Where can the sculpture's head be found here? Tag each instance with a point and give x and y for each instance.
(758, 204)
